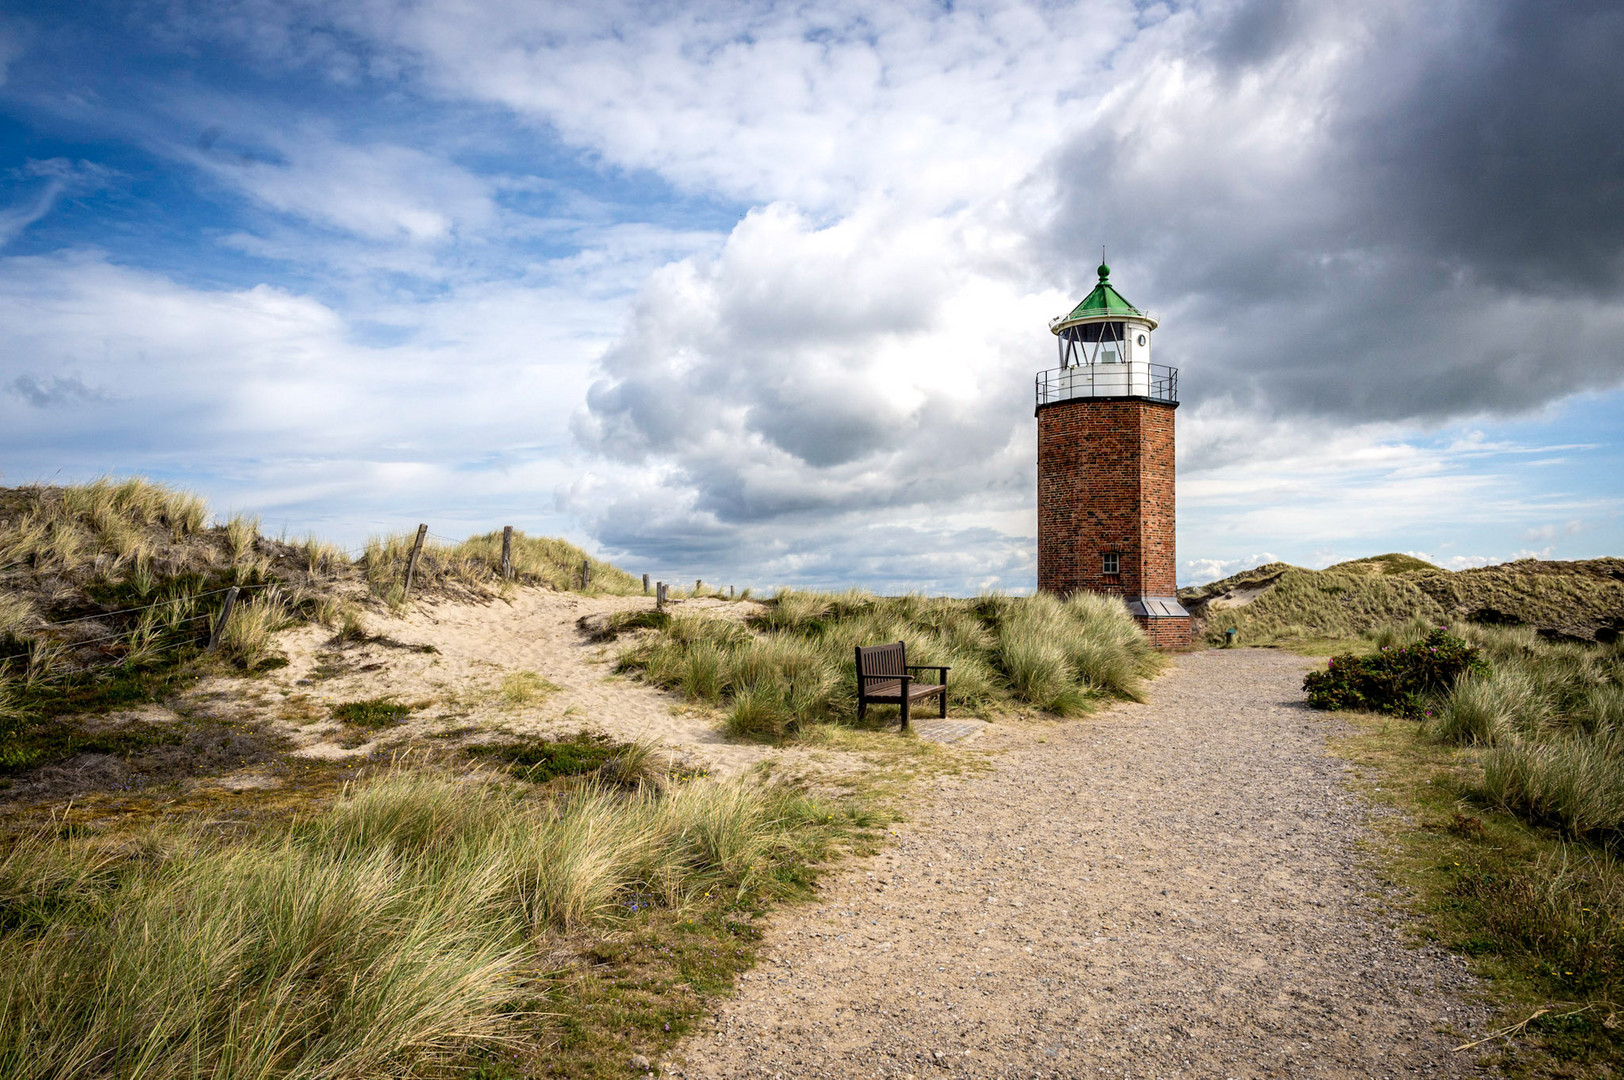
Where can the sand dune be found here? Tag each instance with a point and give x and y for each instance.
(457, 688)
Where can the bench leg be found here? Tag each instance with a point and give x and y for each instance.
(862, 709)
(905, 712)
(943, 696)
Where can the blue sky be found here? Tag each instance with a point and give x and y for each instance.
(755, 292)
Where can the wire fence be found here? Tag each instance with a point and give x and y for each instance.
(82, 642)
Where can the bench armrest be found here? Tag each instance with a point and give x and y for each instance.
(940, 669)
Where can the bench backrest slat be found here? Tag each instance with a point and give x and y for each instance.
(885, 661)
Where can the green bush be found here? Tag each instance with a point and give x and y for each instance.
(540, 760)
(1402, 680)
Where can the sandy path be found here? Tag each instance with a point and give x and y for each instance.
(456, 688)
(1170, 889)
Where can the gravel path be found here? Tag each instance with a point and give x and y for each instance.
(1168, 889)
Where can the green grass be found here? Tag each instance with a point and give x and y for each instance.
(540, 760)
(30, 747)
(1540, 915)
(1515, 777)
(411, 929)
(371, 712)
(792, 664)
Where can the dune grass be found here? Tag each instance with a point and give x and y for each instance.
(106, 523)
(1324, 604)
(109, 591)
(1517, 782)
(1279, 604)
(473, 567)
(792, 664)
(409, 930)
(548, 561)
(1548, 718)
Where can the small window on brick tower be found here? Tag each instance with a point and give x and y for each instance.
(1111, 563)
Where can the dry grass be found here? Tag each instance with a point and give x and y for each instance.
(521, 688)
(1288, 604)
(792, 665)
(548, 561)
(398, 933)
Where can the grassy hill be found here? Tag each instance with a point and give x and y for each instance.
(1563, 601)
(109, 592)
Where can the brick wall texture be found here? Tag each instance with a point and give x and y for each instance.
(1105, 484)
(1167, 633)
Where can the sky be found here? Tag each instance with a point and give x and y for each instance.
(755, 292)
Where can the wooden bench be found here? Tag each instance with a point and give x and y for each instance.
(885, 677)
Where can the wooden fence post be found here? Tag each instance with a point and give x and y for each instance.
(507, 552)
(697, 586)
(659, 595)
(220, 623)
(411, 560)
(645, 584)
(730, 592)
(586, 574)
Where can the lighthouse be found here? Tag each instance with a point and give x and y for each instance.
(1105, 464)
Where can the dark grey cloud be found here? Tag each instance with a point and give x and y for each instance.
(1253, 33)
(1420, 214)
(44, 393)
(1499, 148)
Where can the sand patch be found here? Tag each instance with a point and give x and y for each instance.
(472, 672)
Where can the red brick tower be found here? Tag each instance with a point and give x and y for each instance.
(1105, 464)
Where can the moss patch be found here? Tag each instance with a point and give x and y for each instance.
(541, 760)
(371, 712)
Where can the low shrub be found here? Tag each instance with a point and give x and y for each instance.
(1401, 679)
(371, 712)
(584, 754)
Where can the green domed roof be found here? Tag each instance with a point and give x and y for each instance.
(1101, 304)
